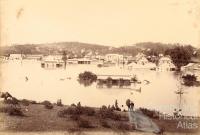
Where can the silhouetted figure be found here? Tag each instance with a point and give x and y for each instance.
(131, 106)
(128, 103)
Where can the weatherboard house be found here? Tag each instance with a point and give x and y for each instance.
(51, 62)
(165, 64)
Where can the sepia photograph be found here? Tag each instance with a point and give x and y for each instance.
(99, 67)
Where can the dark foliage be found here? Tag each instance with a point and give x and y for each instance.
(122, 126)
(12, 110)
(83, 123)
(104, 123)
(47, 104)
(151, 113)
(87, 78)
(77, 110)
(105, 112)
(189, 80)
(180, 55)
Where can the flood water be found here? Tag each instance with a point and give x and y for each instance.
(53, 84)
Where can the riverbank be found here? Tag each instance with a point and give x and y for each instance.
(38, 118)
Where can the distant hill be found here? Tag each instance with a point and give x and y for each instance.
(78, 48)
(54, 48)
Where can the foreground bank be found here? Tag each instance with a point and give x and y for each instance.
(76, 118)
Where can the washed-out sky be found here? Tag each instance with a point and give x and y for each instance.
(107, 22)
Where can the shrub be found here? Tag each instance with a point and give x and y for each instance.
(82, 123)
(47, 104)
(59, 102)
(104, 123)
(25, 102)
(105, 112)
(150, 113)
(13, 101)
(88, 111)
(189, 80)
(75, 117)
(122, 126)
(14, 111)
(69, 111)
(76, 110)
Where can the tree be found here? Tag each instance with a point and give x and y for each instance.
(64, 58)
(180, 55)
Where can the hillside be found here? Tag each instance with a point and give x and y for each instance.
(79, 48)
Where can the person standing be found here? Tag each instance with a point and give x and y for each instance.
(128, 103)
(131, 106)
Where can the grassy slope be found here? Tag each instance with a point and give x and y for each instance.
(38, 118)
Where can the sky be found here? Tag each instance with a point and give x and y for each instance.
(107, 22)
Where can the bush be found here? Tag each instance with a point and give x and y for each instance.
(69, 111)
(59, 102)
(122, 126)
(104, 123)
(75, 117)
(150, 113)
(47, 104)
(189, 80)
(76, 110)
(12, 110)
(105, 112)
(82, 123)
(88, 111)
(25, 102)
(13, 101)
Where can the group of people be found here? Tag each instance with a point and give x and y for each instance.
(130, 104)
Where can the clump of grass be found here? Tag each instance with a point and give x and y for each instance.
(83, 123)
(25, 102)
(77, 110)
(75, 117)
(105, 112)
(59, 102)
(122, 126)
(104, 123)
(13, 101)
(151, 113)
(47, 104)
(12, 110)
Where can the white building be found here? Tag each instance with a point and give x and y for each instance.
(165, 64)
(142, 61)
(51, 62)
(114, 58)
(34, 56)
(16, 56)
(191, 67)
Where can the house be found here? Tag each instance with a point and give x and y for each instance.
(149, 65)
(191, 67)
(51, 62)
(16, 56)
(34, 56)
(142, 60)
(114, 58)
(84, 61)
(72, 61)
(165, 64)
